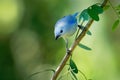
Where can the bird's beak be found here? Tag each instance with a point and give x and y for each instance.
(56, 37)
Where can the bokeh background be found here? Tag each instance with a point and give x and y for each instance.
(27, 43)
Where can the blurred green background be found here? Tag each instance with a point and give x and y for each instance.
(27, 43)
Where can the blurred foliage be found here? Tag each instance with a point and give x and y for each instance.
(27, 41)
(7, 66)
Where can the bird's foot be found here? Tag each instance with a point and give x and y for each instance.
(68, 51)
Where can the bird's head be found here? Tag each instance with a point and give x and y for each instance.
(65, 26)
(59, 31)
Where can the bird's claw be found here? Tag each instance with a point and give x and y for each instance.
(68, 51)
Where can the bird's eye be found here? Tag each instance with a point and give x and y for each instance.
(61, 31)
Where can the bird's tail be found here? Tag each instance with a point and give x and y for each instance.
(75, 14)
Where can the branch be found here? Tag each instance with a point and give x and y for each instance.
(114, 9)
(75, 43)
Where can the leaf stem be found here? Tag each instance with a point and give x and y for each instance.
(83, 74)
(114, 9)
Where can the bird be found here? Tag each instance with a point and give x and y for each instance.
(66, 27)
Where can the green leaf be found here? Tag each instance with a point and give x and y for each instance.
(94, 11)
(74, 75)
(97, 9)
(84, 15)
(73, 66)
(93, 14)
(89, 33)
(115, 24)
(84, 47)
(106, 7)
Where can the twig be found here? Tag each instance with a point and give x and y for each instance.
(114, 9)
(75, 43)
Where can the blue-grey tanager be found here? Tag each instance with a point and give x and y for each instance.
(66, 27)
